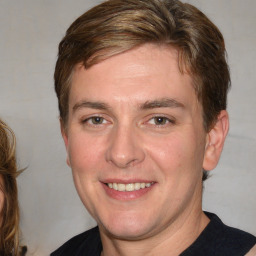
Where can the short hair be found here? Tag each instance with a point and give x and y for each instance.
(116, 26)
(9, 227)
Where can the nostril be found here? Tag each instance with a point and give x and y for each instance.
(124, 148)
(123, 162)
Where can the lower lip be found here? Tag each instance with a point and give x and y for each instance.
(126, 195)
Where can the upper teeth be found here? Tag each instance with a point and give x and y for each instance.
(129, 187)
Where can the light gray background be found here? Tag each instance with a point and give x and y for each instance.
(51, 211)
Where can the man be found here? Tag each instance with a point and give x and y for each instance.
(142, 87)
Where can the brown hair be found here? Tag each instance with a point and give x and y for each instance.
(9, 228)
(116, 26)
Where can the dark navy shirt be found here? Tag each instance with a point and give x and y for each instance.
(217, 239)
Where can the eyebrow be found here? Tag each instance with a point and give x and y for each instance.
(162, 103)
(89, 104)
(159, 103)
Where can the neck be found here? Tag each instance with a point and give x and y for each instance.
(172, 241)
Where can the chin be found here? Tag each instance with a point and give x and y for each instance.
(129, 228)
(128, 233)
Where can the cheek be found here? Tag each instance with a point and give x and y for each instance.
(84, 153)
(168, 152)
(1, 203)
(177, 154)
(83, 158)
(1, 197)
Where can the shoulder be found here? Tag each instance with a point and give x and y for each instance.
(230, 236)
(220, 239)
(87, 243)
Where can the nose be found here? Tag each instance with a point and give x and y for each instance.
(125, 147)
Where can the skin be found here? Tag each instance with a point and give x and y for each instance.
(1, 198)
(135, 118)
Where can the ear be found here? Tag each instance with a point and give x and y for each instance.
(215, 141)
(65, 138)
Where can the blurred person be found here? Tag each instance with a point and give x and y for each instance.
(9, 208)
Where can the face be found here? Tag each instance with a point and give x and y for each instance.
(1, 197)
(135, 142)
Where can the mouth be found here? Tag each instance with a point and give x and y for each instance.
(130, 187)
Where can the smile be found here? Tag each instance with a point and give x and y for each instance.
(129, 187)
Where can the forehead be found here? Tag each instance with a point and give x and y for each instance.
(150, 71)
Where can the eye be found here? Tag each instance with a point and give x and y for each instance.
(160, 121)
(95, 120)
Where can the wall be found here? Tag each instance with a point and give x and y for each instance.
(51, 211)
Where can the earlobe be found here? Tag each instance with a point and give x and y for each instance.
(65, 139)
(215, 141)
(67, 160)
